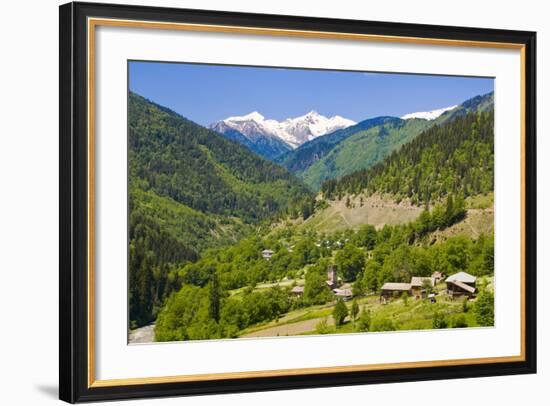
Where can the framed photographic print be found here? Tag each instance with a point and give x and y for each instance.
(257, 202)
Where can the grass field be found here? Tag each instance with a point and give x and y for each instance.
(412, 315)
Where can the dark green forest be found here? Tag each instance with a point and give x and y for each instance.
(455, 158)
(191, 189)
(363, 145)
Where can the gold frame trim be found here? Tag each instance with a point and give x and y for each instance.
(94, 22)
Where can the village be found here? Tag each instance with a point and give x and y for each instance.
(411, 305)
(458, 285)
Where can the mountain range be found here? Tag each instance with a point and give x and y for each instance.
(193, 188)
(271, 138)
(368, 142)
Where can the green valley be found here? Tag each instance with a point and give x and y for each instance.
(226, 244)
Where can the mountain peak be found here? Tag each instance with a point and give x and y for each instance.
(292, 131)
(428, 115)
(250, 116)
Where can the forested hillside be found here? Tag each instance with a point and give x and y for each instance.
(266, 146)
(454, 158)
(190, 189)
(363, 149)
(366, 143)
(307, 154)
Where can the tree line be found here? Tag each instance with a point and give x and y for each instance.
(453, 158)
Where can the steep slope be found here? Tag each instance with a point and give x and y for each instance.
(453, 158)
(363, 149)
(190, 189)
(266, 145)
(312, 151)
(195, 166)
(366, 143)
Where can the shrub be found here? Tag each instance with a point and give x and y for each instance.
(459, 321)
(484, 309)
(439, 321)
(340, 312)
(322, 327)
(383, 324)
(364, 321)
(465, 306)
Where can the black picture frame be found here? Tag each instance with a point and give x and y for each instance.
(74, 199)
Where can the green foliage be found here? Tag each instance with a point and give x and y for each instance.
(465, 306)
(364, 321)
(362, 149)
(440, 217)
(195, 237)
(439, 321)
(370, 276)
(382, 324)
(316, 290)
(427, 286)
(365, 237)
(340, 312)
(188, 313)
(350, 261)
(354, 309)
(323, 327)
(484, 308)
(189, 190)
(458, 321)
(197, 167)
(405, 298)
(447, 159)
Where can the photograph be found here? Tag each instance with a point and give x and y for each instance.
(270, 202)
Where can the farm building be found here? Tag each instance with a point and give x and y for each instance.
(390, 289)
(437, 276)
(345, 294)
(461, 284)
(267, 254)
(417, 285)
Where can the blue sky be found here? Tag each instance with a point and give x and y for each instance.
(209, 93)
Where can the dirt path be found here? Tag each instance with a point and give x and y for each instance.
(290, 329)
(142, 335)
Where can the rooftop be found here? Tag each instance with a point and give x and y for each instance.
(461, 277)
(419, 280)
(463, 286)
(396, 286)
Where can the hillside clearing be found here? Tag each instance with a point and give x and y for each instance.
(360, 210)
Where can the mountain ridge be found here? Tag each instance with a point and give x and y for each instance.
(366, 143)
(271, 138)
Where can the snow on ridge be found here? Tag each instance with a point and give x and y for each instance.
(293, 131)
(250, 116)
(428, 115)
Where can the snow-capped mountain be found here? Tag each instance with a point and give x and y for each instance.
(292, 131)
(428, 115)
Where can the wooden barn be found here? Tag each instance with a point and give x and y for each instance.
(417, 285)
(391, 289)
(437, 276)
(461, 284)
(345, 294)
